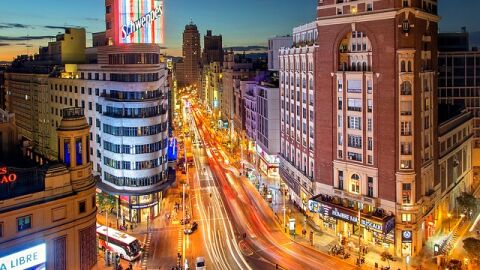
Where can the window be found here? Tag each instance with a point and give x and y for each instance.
(340, 180)
(406, 128)
(370, 143)
(24, 223)
(406, 193)
(340, 85)
(340, 121)
(370, 187)
(355, 104)
(90, 106)
(355, 141)
(340, 139)
(369, 105)
(406, 148)
(406, 217)
(369, 86)
(369, 7)
(406, 3)
(354, 86)
(406, 108)
(369, 124)
(82, 207)
(340, 103)
(355, 156)
(405, 164)
(355, 122)
(406, 89)
(355, 183)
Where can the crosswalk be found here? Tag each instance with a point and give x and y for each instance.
(146, 251)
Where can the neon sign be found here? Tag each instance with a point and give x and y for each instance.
(147, 19)
(140, 21)
(5, 177)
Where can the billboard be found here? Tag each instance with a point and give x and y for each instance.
(30, 258)
(140, 21)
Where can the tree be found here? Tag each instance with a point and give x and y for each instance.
(467, 202)
(472, 246)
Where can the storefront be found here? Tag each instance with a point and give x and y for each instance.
(140, 208)
(346, 222)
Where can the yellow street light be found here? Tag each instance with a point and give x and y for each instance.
(354, 10)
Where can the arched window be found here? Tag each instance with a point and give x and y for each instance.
(365, 66)
(406, 89)
(355, 183)
(359, 66)
(402, 69)
(409, 66)
(354, 66)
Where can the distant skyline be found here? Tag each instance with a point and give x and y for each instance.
(249, 23)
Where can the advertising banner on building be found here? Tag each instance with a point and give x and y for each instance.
(30, 258)
(140, 21)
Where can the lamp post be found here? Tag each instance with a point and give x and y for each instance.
(407, 261)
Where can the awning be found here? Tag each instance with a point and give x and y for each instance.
(119, 191)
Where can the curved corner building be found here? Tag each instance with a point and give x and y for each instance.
(126, 103)
(133, 128)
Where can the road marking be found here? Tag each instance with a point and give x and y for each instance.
(147, 239)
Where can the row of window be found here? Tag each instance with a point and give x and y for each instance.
(135, 149)
(134, 165)
(355, 183)
(134, 96)
(135, 131)
(24, 223)
(135, 112)
(147, 77)
(133, 58)
(134, 182)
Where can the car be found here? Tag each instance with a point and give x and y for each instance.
(184, 221)
(200, 263)
(192, 228)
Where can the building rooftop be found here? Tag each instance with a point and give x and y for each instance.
(451, 116)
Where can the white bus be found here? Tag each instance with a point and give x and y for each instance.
(126, 246)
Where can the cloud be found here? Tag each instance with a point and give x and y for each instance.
(13, 25)
(247, 48)
(94, 19)
(23, 38)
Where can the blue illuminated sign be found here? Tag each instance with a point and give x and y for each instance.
(172, 151)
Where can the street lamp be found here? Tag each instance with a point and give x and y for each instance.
(407, 260)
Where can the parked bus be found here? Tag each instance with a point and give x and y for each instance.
(126, 246)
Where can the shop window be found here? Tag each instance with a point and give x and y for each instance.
(406, 193)
(355, 183)
(24, 223)
(82, 207)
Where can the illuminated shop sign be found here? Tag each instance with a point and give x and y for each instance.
(344, 216)
(28, 258)
(406, 236)
(6, 177)
(352, 217)
(140, 21)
